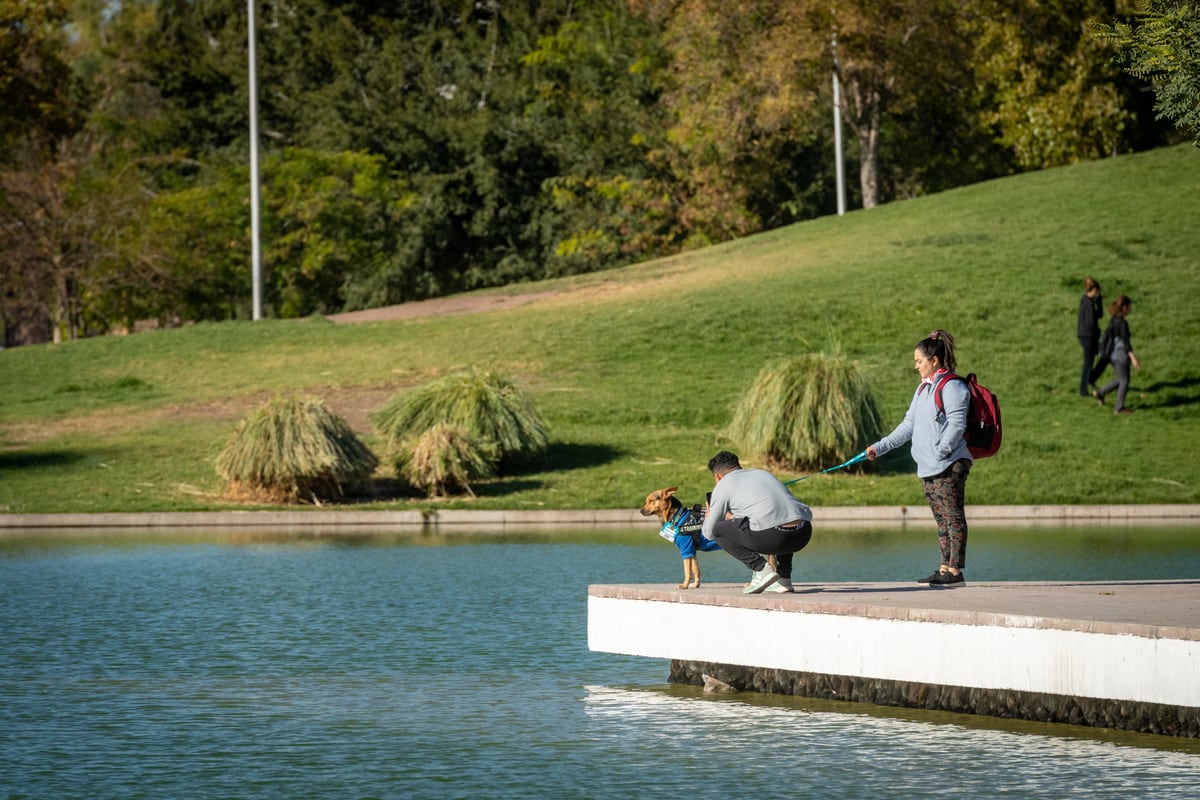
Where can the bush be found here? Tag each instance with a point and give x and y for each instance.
(443, 460)
(294, 449)
(501, 420)
(809, 413)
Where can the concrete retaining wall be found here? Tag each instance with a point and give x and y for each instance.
(1155, 718)
(833, 516)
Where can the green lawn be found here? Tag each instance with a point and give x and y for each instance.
(637, 370)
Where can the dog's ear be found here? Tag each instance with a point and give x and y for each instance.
(667, 493)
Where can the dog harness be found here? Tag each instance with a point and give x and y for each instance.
(683, 531)
(686, 521)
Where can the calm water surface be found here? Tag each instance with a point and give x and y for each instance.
(269, 665)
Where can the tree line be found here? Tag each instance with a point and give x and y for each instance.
(424, 147)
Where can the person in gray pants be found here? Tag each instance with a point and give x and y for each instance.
(1122, 354)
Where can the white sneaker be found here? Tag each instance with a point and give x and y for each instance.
(761, 580)
(781, 585)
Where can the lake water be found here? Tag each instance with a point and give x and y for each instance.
(345, 665)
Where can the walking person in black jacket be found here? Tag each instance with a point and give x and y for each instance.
(1091, 309)
(1122, 353)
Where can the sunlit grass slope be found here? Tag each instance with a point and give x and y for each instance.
(637, 370)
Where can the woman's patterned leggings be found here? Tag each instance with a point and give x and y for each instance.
(946, 494)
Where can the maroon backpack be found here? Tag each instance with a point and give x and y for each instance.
(983, 415)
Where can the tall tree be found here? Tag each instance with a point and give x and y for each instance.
(742, 83)
(891, 56)
(1053, 98)
(1163, 44)
(753, 82)
(37, 105)
(51, 226)
(595, 104)
(333, 235)
(60, 214)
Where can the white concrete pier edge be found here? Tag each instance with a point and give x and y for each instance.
(1029, 659)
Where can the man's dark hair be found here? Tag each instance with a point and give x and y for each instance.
(723, 462)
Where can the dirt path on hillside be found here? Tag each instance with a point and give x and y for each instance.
(442, 306)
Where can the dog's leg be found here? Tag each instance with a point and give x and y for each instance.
(691, 573)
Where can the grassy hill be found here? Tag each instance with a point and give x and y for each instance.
(637, 370)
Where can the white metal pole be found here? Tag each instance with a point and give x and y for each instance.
(255, 203)
(837, 132)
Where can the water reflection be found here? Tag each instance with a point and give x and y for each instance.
(882, 755)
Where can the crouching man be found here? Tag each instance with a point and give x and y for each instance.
(751, 514)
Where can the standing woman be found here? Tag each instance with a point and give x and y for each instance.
(1122, 354)
(940, 450)
(1091, 309)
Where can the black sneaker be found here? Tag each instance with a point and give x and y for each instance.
(934, 577)
(948, 579)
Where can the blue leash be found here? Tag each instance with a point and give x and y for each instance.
(860, 457)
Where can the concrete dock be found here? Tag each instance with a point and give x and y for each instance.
(1106, 654)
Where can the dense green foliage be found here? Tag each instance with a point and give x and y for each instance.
(294, 449)
(807, 412)
(1164, 45)
(417, 149)
(637, 370)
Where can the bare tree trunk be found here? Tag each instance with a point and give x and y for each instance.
(865, 114)
(868, 168)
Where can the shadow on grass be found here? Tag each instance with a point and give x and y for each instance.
(377, 490)
(501, 487)
(559, 457)
(520, 478)
(1170, 394)
(563, 457)
(15, 460)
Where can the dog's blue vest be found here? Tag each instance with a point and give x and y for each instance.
(683, 531)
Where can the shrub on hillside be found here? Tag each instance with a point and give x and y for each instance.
(808, 413)
(444, 460)
(502, 421)
(293, 450)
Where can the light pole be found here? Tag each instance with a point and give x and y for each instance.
(255, 201)
(837, 130)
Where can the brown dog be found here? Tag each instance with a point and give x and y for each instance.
(662, 503)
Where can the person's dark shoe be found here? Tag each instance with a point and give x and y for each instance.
(948, 579)
(1099, 397)
(935, 576)
(1123, 411)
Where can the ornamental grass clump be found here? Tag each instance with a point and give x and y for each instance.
(444, 460)
(291, 450)
(500, 419)
(808, 413)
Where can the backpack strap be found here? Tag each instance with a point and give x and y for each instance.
(937, 390)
